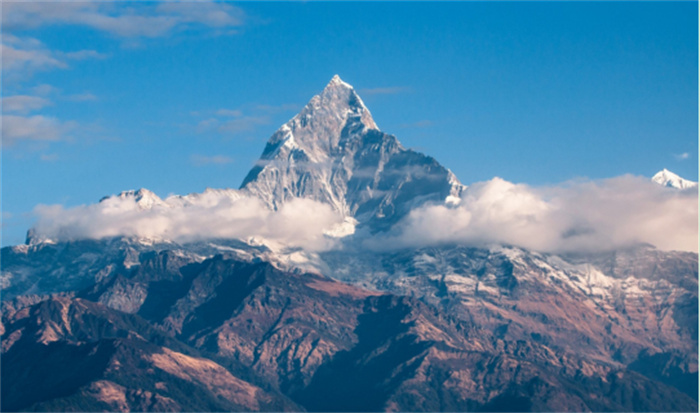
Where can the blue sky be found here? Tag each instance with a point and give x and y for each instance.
(104, 97)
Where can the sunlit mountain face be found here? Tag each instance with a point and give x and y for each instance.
(349, 273)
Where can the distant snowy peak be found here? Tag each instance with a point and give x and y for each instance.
(671, 180)
(144, 199)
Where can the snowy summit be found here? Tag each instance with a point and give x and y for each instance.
(671, 180)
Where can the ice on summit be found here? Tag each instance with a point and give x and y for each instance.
(669, 179)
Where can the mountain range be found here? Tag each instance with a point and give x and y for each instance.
(201, 318)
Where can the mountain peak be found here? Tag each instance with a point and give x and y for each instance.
(334, 153)
(667, 178)
(337, 81)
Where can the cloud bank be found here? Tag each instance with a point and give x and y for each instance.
(584, 216)
(210, 215)
(580, 216)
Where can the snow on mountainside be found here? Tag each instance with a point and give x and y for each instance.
(333, 152)
(330, 162)
(329, 173)
(464, 322)
(671, 180)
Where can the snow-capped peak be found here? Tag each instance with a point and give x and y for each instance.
(333, 152)
(337, 81)
(671, 180)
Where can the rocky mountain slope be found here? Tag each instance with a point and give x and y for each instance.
(333, 152)
(212, 324)
(237, 334)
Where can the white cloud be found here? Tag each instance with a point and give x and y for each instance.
(84, 55)
(23, 104)
(682, 156)
(126, 20)
(201, 160)
(242, 124)
(584, 216)
(299, 223)
(82, 97)
(24, 56)
(391, 90)
(28, 60)
(44, 90)
(207, 125)
(33, 128)
(234, 113)
(420, 124)
(271, 109)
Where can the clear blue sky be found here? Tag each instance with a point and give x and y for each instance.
(100, 98)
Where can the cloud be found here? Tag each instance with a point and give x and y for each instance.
(28, 60)
(584, 216)
(242, 124)
(416, 125)
(33, 128)
(23, 104)
(82, 97)
(234, 113)
(49, 157)
(237, 125)
(681, 156)
(202, 160)
(393, 90)
(213, 214)
(24, 56)
(271, 109)
(84, 55)
(123, 20)
(44, 90)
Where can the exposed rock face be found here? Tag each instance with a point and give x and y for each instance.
(232, 328)
(125, 324)
(333, 152)
(73, 354)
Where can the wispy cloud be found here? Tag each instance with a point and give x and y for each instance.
(82, 97)
(230, 122)
(28, 61)
(23, 104)
(417, 125)
(48, 157)
(34, 128)
(681, 156)
(202, 160)
(271, 109)
(44, 90)
(23, 57)
(83, 55)
(242, 124)
(391, 90)
(124, 20)
(234, 113)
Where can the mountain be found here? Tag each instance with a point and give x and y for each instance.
(71, 354)
(148, 321)
(243, 335)
(667, 178)
(333, 152)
